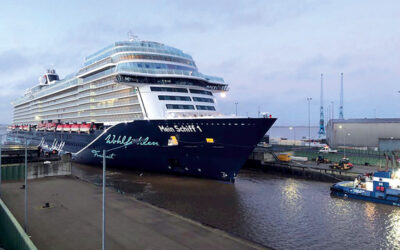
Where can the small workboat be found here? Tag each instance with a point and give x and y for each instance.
(380, 187)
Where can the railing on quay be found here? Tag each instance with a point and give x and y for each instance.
(12, 235)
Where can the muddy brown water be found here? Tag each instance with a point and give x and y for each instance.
(277, 212)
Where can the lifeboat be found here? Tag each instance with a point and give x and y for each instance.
(75, 128)
(51, 126)
(67, 128)
(41, 126)
(60, 127)
(85, 128)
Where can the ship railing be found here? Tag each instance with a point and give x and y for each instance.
(57, 87)
(98, 75)
(121, 110)
(55, 115)
(59, 96)
(116, 88)
(113, 105)
(164, 50)
(114, 94)
(97, 99)
(126, 56)
(54, 112)
(94, 85)
(99, 52)
(58, 104)
(94, 93)
(89, 107)
(98, 57)
(116, 115)
(94, 65)
(170, 72)
(24, 112)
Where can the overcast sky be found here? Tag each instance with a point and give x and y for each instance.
(270, 52)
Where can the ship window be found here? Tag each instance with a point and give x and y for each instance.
(202, 107)
(202, 99)
(175, 98)
(197, 91)
(53, 78)
(164, 89)
(153, 57)
(179, 106)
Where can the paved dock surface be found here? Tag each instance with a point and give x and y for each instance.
(73, 220)
(357, 169)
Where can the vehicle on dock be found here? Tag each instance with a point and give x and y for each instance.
(327, 150)
(380, 187)
(343, 164)
(285, 157)
(322, 159)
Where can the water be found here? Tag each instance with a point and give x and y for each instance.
(297, 132)
(278, 212)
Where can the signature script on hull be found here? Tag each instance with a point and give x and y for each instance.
(126, 141)
(56, 145)
(98, 154)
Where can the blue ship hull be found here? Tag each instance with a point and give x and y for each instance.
(211, 148)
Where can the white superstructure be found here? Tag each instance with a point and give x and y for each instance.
(123, 82)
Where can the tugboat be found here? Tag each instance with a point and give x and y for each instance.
(380, 187)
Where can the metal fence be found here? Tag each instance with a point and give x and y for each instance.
(12, 172)
(12, 236)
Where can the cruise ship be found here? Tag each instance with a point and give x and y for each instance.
(144, 103)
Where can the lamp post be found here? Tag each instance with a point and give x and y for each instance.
(103, 233)
(344, 140)
(309, 122)
(294, 135)
(344, 152)
(26, 188)
(103, 238)
(236, 104)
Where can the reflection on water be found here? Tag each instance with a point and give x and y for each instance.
(281, 213)
(393, 235)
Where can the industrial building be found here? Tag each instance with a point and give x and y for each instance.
(370, 133)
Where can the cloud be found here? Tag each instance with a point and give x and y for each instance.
(270, 52)
(11, 61)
